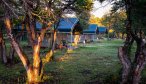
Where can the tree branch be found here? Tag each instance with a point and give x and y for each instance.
(15, 45)
(10, 8)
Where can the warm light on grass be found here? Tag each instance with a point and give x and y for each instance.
(94, 63)
(69, 50)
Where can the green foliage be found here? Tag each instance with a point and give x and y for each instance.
(1, 11)
(83, 19)
(95, 20)
(115, 21)
(138, 16)
(84, 4)
(83, 11)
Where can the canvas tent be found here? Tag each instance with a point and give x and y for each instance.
(102, 30)
(68, 28)
(47, 40)
(91, 33)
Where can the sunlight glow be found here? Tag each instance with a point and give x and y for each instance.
(76, 40)
(100, 9)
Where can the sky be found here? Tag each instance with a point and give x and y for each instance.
(100, 9)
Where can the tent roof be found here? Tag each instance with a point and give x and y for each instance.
(91, 29)
(102, 29)
(39, 25)
(67, 24)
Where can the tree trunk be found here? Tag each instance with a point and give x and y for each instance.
(32, 76)
(124, 57)
(29, 33)
(54, 40)
(117, 35)
(126, 65)
(131, 73)
(122, 35)
(124, 52)
(37, 63)
(3, 48)
(139, 62)
(49, 55)
(33, 72)
(11, 54)
(4, 53)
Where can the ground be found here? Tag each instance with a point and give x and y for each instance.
(94, 63)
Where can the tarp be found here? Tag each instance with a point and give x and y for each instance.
(92, 29)
(67, 24)
(102, 30)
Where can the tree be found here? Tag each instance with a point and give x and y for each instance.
(2, 47)
(82, 10)
(48, 12)
(95, 20)
(131, 69)
(115, 21)
(131, 72)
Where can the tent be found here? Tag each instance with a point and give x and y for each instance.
(68, 28)
(91, 33)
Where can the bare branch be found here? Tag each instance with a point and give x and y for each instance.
(10, 8)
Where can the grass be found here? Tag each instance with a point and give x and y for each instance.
(94, 63)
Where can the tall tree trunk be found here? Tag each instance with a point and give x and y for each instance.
(3, 48)
(4, 53)
(36, 60)
(31, 39)
(139, 62)
(140, 56)
(117, 35)
(49, 55)
(29, 69)
(124, 52)
(54, 40)
(126, 65)
(124, 56)
(32, 76)
(11, 54)
(30, 31)
(122, 35)
(132, 69)
(33, 71)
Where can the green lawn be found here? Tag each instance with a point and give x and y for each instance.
(94, 63)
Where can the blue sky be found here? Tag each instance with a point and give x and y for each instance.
(100, 9)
